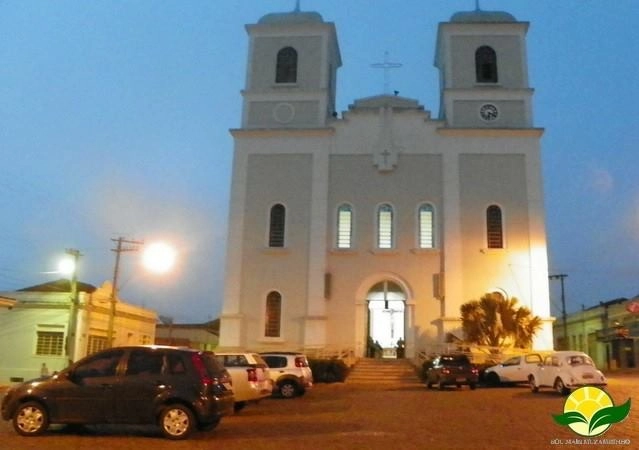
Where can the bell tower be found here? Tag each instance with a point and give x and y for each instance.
(292, 67)
(481, 57)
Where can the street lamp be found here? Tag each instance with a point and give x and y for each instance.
(158, 257)
(564, 316)
(69, 266)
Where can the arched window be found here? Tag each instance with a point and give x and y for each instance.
(344, 226)
(286, 69)
(486, 65)
(426, 226)
(385, 226)
(276, 226)
(273, 314)
(494, 227)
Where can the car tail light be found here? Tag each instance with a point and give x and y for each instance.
(475, 371)
(445, 371)
(252, 374)
(300, 361)
(200, 367)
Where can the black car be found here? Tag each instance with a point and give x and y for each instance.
(178, 389)
(452, 369)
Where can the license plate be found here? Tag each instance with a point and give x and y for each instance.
(587, 376)
(461, 380)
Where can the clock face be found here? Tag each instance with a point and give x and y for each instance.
(488, 112)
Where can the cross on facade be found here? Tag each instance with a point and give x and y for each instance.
(387, 66)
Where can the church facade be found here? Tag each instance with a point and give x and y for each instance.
(379, 224)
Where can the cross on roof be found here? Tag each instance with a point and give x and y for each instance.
(386, 65)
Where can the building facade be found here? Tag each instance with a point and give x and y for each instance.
(608, 332)
(380, 223)
(46, 333)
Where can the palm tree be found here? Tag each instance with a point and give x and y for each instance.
(496, 321)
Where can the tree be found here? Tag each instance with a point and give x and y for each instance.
(498, 322)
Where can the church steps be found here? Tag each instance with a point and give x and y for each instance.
(383, 371)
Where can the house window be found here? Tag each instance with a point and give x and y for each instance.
(494, 227)
(486, 65)
(426, 231)
(276, 226)
(96, 343)
(286, 70)
(385, 226)
(344, 226)
(273, 317)
(50, 343)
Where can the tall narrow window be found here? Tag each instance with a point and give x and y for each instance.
(273, 318)
(344, 226)
(494, 227)
(385, 226)
(276, 226)
(486, 65)
(286, 69)
(426, 231)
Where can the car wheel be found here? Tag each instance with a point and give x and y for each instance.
(442, 386)
(472, 386)
(429, 385)
(561, 387)
(288, 389)
(31, 419)
(492, 379)
(533, 387)
(176, 422)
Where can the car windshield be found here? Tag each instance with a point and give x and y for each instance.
(578, 360)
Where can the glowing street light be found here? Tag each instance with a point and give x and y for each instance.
(157, 257)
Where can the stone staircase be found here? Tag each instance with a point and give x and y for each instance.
(381, 371)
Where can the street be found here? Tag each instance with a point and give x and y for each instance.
(341, 416)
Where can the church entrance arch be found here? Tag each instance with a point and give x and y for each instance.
(386, 301)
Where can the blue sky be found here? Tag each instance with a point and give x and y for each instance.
(114, 119)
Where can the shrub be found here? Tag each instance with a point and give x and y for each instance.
(328, 370)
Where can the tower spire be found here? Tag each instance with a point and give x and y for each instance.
(297, 6)
(477, 7)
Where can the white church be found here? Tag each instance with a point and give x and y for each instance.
(381, 221)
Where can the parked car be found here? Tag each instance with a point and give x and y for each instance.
(250, 374)
(565, 371)
(178, 389)
(290, 373)
(452, 369)
(513, 370)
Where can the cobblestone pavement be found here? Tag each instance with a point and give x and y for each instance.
(340, 416)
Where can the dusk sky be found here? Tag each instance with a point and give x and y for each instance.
(115, 118)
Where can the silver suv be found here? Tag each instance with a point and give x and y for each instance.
(290, 373)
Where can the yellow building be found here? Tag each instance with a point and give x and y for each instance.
(39, 326)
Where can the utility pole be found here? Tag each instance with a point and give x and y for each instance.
(561, 278)
(74, 306)
(131, 246)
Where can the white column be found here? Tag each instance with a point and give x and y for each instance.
(453, 284)
(231, 317)
(315, 326)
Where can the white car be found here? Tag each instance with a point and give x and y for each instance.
(290, 372)
(513, 370)
(250, 376)
(565, 371)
